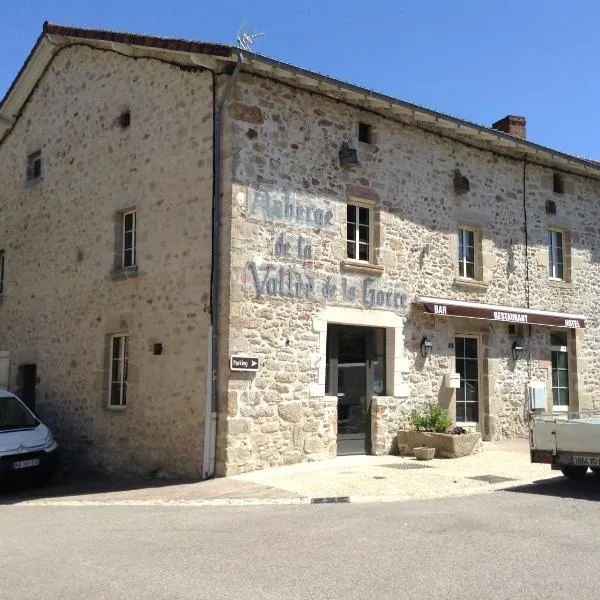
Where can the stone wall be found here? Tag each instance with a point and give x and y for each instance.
(61, 303)
(285, 145)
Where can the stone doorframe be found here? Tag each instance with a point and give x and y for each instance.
(397, 363)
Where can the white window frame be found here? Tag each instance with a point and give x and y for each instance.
(121, 362)
(358, 204)
(462, 263)
(553, 254)
(2, 262)
(133, 247)
(32, 160)
(561, 407)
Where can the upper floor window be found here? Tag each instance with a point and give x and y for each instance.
(359, 232)
(365, 133)
(466, 253)
(34, 166)
(129, 251)
(1, 272)
(117, 393)
(556, 265)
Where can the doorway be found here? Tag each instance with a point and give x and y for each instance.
(355, 373)
(467, 366)
(26, 382)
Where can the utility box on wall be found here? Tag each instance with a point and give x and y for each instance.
(452, 380)
(537, 395)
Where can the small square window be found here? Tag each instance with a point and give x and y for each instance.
(550, 207)
(359, 232)
(365, 133)
(34, 166)
(125, 119)
(558, 183)
(118, 370)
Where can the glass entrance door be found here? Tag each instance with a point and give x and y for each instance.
(355, 369)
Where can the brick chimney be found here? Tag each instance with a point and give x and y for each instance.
(512, 125)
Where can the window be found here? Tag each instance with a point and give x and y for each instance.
(365, 133)
(129, 254)
(556, 265)
(125, 119)
(560, 371)
(1, 272)
(358, 232)
(34, 166)
(117, 394)
(466, 253)
(558, 184)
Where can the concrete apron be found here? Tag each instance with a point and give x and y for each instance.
(355, 479)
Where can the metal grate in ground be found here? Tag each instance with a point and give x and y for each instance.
(492, 478)
(330, 500)
(407, 465)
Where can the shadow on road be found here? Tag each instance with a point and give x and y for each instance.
(67, 484)
(562, 487)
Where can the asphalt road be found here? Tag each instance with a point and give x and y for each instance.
(537, 542)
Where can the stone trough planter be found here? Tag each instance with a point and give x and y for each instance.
(422, 453)
(445, 444)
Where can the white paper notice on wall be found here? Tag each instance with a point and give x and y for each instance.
(452, 380)
(537, 395)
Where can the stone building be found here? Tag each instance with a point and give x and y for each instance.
(215, 262)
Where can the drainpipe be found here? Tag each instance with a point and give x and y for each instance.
(212, 379)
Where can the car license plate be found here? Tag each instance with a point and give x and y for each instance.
(24, 464)
(586, 461)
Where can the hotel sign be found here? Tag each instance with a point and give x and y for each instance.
(510, 315)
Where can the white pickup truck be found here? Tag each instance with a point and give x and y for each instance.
(570, 443)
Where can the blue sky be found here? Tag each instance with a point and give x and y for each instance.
(474, 59)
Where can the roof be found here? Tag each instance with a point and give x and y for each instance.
(219, 57)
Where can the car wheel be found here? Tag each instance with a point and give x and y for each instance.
(573, 472)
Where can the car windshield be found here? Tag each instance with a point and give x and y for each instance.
(14, 416)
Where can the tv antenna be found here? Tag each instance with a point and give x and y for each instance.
(246, 36)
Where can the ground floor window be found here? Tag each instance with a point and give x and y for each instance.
(560, 371)
(467, 366)
(118, 371)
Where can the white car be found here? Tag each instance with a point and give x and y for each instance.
(26, 444)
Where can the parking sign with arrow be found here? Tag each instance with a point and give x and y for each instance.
(243, 363)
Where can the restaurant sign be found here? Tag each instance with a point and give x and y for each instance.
(501, 313)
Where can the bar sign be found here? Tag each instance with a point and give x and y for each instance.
(243, 363)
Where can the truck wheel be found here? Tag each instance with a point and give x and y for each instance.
(573, 472)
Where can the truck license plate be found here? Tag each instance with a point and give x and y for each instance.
(24, 464)
(586, 461)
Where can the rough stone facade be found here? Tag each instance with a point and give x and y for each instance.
(285, 148)
(285, 278)
(61, 301)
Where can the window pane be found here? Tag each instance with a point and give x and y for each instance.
(115, 394)
(562, 360)
(363, 233)
(351, 213)
(351, 249)
(363, 214)
(128, 240)
(562, 378)
(459, 346)
(470, 270)
(128, 225)
(471, 347)
(563, 397)
(470, 391)
(471, 369)
(460, 412)
(350, 231)
(363, 251)
(472, 412)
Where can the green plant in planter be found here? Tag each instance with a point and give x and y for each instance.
(434, 418)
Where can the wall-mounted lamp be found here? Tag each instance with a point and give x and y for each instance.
(517, 350)
(426, 347)
(461, 183)
(348, 155)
